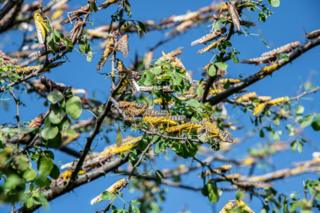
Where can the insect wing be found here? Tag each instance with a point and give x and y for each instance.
(122, 45)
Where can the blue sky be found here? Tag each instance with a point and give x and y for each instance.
(288, 23)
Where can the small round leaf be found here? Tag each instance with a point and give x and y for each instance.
(74, 107)
(212, 71)
(45, 165)
(55, 172)
(316, 124)
(55, 96)
(49, 133)
(29, 175)
(275, 3)
(56, 115)
(221, 65)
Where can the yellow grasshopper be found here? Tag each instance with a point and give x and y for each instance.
(42, 26)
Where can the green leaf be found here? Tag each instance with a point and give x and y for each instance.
(89, 56)
(306, 121)
(157, 70)
(211, 191)
(29, 202)
(212, 71)
(56, 115)
(84, 46)
(133, 208)
(185, 150)
(48, 154)
(45, 165)
(275, 135)
(160, 147)
(296, 145)
(240, 195)
(57, 35)
(216, 25)
(200, 91)
(49, 133)
(55, 172)
(65, 124)
(42, 181)
(316, 123)
(274, 3)
(74, 107)
(68, 43)
(193, 103)
(29, 175)
(147, 79)
(299, 110)
(22, 162)
(55, 142)
(290, 129)
(55, 96)
(221, 65)
(42, 200)
(12, 182)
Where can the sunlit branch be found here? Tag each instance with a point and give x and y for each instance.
(265, 71)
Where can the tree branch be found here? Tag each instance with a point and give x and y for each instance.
(57, 190)
(265, 71)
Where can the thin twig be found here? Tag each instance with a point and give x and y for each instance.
(17, 102)
(307, 92)
(141, 158)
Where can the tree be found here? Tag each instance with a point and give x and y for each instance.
(154, 108)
